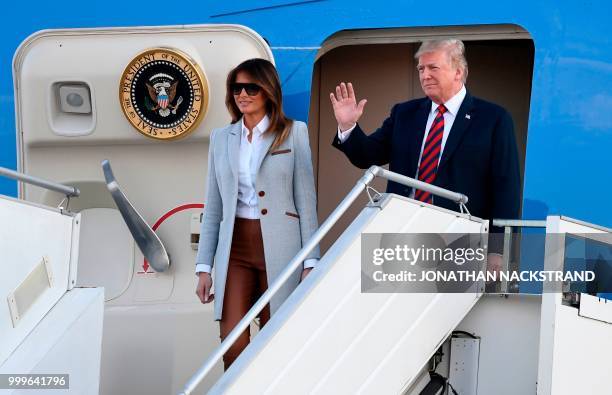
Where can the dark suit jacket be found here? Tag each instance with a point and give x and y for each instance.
(479, 159)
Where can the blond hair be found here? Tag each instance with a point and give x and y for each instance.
(455, 50)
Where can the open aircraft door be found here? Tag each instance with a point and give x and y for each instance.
(146, 99)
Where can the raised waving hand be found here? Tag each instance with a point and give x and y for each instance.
(346, 109)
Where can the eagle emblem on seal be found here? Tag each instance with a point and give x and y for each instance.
(162, 91)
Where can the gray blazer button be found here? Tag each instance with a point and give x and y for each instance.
(262, 193)
(264, 211)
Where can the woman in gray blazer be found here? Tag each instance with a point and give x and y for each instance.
(260, 201)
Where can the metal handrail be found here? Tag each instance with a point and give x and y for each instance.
(39, 182)
(411, 182)
(519, 223)
(361, 184)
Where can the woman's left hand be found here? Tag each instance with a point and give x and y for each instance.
(305, 273)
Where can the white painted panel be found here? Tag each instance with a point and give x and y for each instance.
(82, 56)
(596, 308)
(106, 253)
(27, 234)
(574, 350)
(67, 341)
(155, 348)
(508, 327)
(464, 355)
(581, 359)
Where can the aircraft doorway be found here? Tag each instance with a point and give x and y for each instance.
(380, 64)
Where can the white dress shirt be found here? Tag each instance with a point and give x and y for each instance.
(452, 107)
(250, 152)
(248, 204)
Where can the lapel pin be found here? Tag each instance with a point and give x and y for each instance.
(467, 116)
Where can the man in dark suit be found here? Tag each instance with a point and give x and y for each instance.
(449, 139)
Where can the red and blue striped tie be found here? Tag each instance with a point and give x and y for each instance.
(431, 155)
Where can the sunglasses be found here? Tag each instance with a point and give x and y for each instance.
(250, 88)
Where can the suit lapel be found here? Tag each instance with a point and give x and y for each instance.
(233, 147)
(462, 122)
(268, 139)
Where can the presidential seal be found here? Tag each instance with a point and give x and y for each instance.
(163, 93)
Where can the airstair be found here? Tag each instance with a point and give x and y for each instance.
(329, 336)
(47, 327)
